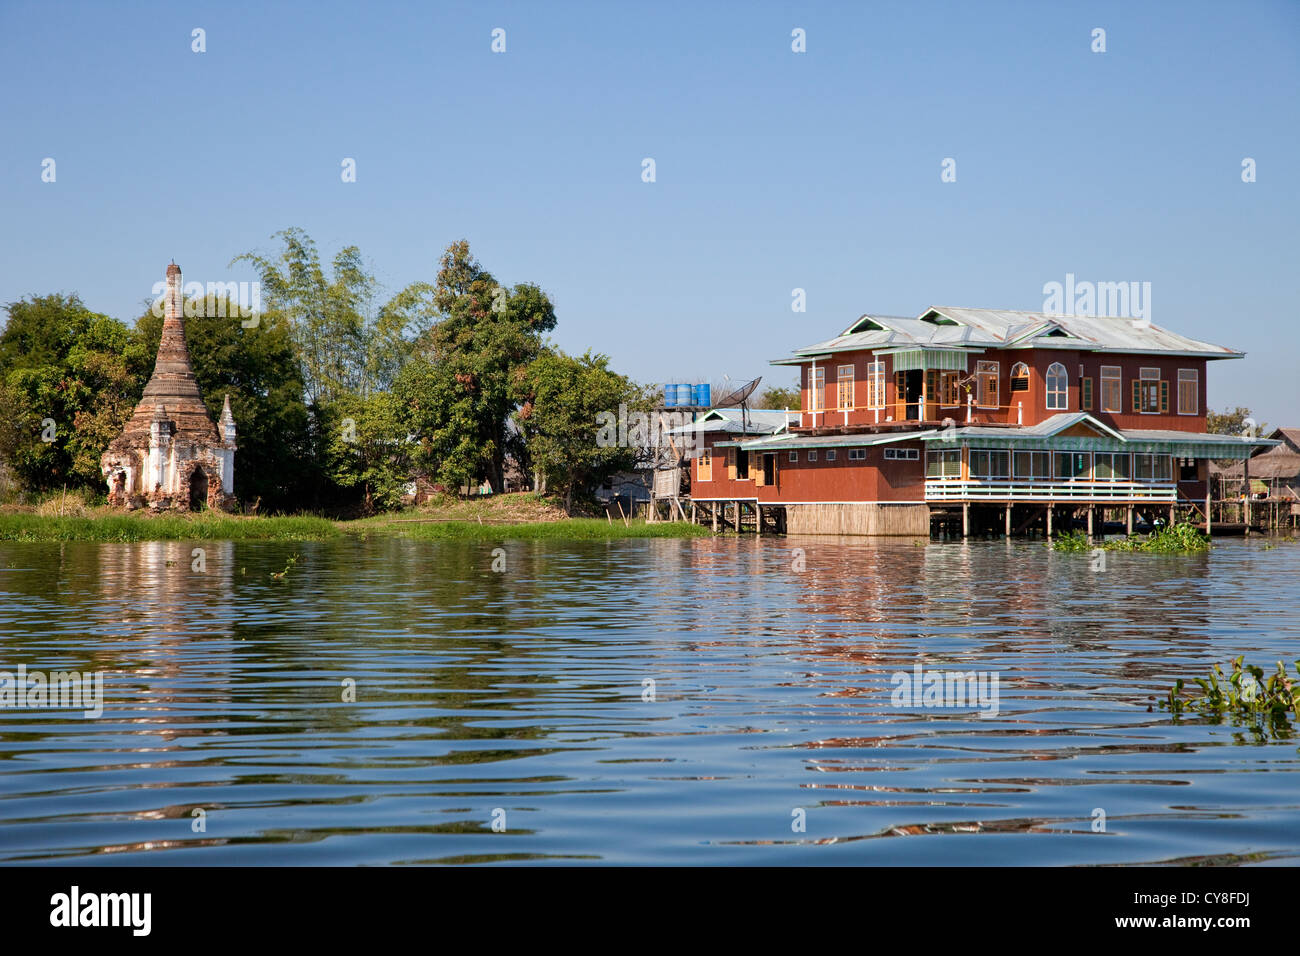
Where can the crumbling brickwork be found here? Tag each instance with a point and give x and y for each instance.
(171, 455)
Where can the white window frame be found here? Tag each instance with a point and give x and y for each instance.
(1046, 476)
(857, 454)
(1150, 378)
(876, 384)
(989, 452)
(812, 455)
(983, 369)
(840, 380)
(830, 454)
(792, 457)
(1063, 392)
(1192, 377)
(1118, 378)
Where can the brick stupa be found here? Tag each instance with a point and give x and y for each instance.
(171, 454)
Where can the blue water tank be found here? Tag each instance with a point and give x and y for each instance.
(670, 396)
(703, 395)
(685, 395)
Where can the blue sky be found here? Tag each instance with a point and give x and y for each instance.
(774, 170)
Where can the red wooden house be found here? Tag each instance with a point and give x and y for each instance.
(1009, 413)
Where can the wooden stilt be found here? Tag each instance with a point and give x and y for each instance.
(1008, 521)
(1049, 521)
(713, 510)
(1129, 520)
(965, 518)
(1207, 513)
(758, 519)
(1091, 509)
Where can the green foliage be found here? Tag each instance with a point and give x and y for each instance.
(1180, 538)
(207, 525)
(1242, 695)
(367, 447)
(258, 368)
(562, 398)
(462, 387)
(777, 397)
(81, 370)
(325, 313)
(1232, 422)
(288, 566)
(1073, 542)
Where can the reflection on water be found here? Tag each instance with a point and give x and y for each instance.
(522, 699)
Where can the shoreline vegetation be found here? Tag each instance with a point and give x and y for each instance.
(503, 517)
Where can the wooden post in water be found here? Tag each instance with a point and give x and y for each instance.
(1049, 520)
(1008, 521)
(1207, 510)
(713, 510)
(1245, 506)
(1129, 520)
(758, 519)
(1091, 509)
(965, 518)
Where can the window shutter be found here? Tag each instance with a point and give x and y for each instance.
(1137, 395)
(1085, 385)
(731, 464)
(1164, 395)
(758, 477)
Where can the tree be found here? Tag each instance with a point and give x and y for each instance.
(777, 397)
(1233, 422)
(257, 366)
(330, 316)
(69, 381)
(461, 388)
(368, 448)
(561, 398)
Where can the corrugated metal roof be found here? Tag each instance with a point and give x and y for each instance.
(1047, 433)
(1004, 328)
(791, 442)
(762, 421)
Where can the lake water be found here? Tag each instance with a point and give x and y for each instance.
(518, 698)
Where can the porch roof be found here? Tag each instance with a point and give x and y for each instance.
(793, 442)
(1048, 434)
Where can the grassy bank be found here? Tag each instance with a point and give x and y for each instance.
(140, 527)
(484, 524)
(566, 530)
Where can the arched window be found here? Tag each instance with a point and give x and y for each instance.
(1020, 377)
(1058, 394)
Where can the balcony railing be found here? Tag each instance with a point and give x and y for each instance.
(919, 413)
(952, 489)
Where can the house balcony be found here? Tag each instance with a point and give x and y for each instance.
(921, 413)
(1021, 489)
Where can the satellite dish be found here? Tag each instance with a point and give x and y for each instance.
(740, 396)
